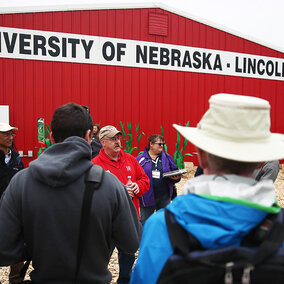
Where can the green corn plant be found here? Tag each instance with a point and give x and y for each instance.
(138, 138)
(179, 154)
(123, 135)
(127, 138)
(162, 134)
(47, 142)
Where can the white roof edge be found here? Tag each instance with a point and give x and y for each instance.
(97, 6)
(75, 7)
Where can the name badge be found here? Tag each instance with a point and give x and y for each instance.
(156, 174)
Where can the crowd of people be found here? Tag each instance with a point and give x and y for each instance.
(42, 207)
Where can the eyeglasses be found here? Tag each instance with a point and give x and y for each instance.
(160, 144)
(5, 134)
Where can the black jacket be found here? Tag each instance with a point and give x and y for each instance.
(96, 147)
(8, 171)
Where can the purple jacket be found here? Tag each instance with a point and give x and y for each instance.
(168, 165)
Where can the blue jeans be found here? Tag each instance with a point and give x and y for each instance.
(161, 202)
(125, 262)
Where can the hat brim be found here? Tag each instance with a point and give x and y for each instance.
(5, 129)
(248, 151)
(114, 133)
(109, 135)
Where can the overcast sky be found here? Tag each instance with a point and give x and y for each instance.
(259, 19)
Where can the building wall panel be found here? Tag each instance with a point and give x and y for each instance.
(150, 97)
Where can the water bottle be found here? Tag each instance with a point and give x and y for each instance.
(129, 183)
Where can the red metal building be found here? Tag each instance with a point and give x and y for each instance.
(147, 65)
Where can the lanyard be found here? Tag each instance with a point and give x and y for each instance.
(156, 163)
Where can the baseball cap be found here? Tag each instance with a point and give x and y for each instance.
(108, 131)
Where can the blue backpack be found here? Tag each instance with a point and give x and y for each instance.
(259, 260)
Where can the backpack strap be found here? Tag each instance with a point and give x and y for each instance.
(182, 241)
(269, 246)
(273, 242)
(93, 181)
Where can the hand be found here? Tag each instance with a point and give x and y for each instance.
(130, 191)
(176, 177)
(135, 187)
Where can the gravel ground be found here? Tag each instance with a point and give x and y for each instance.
(113, 265)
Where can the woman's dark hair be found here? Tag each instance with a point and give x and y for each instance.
(98, 132)
(153, 138)
(70, 120)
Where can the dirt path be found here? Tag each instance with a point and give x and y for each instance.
(113, 265)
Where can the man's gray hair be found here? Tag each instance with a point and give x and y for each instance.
(219, 164)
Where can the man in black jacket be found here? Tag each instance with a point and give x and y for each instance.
(10, 164)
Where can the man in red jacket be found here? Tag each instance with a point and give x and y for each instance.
(125, 167)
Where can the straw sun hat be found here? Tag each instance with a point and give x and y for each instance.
(236, 128)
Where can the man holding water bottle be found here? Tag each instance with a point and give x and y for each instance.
(125, 167)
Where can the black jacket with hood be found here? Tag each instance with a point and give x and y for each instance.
(40, 216)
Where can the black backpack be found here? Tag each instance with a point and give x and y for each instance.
(259, 260)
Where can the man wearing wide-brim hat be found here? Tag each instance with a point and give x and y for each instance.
(222, 206)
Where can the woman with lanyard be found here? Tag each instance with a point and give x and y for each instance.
(155, 162)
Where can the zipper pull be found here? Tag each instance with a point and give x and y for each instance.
(246, 274)
(229, 275)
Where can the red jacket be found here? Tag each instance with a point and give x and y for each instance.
(125, 166)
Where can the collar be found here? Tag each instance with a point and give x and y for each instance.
(233, 186)
(110, 159)
(8, 156)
